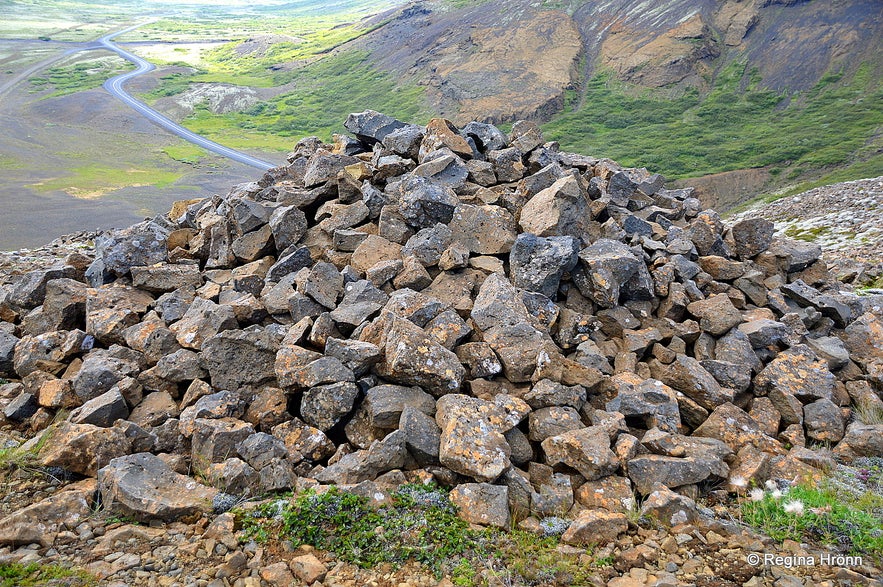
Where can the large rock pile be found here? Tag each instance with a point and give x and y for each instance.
(548, 332)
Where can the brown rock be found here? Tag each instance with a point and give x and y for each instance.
(595, 527)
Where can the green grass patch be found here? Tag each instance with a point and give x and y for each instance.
(77, 77)
(806, 234)
(186, 153)
(736, 125)
(96, 180)
(420, 525)
(326, 92)
(853, 524)
(35, 575)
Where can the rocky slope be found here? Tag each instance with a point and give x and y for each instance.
(845, 219)
(550, 334)
(500, 61)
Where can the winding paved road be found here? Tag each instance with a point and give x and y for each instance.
(115, 86)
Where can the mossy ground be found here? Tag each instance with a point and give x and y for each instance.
(419, 525)
(35, 575)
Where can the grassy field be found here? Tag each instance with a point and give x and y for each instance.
(836, 123)
(96, 180)
(86, 74)
(325, 92)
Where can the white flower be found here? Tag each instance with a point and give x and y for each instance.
(776, 494)
(794, 506)
(739, 482)
(757, 494)
(771, 485)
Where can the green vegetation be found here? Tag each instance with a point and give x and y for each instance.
(18, 458)
(326, 92)
(421, 525)
(868, 413)
(806, 234)
(96, 180)
(77, 77)
(833, 124)
(418, 525)
(186, 153)
(34, 575)
(826, 513)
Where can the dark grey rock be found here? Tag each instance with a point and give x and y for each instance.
(537, 263)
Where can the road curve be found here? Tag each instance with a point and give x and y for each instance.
(115, 86)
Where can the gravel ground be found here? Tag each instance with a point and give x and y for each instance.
(845, 219)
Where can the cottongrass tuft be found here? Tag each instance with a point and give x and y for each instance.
(757, 494)
(794, 506)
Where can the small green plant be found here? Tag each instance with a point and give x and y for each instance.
(35, 575)
(868, 413)
(421, 525)
(822, 514)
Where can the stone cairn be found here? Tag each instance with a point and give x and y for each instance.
(547, 333)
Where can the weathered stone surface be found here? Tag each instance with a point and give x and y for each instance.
(40, 522)
(112, 309)
(553, 421)
(301, 439)
(203, 320)
(103, 410)
(655, 403)
(323, 406)
(163, 277)
(736, 428)
(799, 372)
(717, 314)
(481, 503)
(824, 422)
(485, 230)
(587, 450)
(861, 440)
(371, 127)
(425, 202)
(670, 508)
(385, 403)
(537, 263)
(144, 487)
(83, 448)
(610, 493)
(239, 358)
(686, 374)
(752, 236)
(647, 470)
(472, 441)
(595, 527)
(413, 358)
(139, 245)
(22, 407)
(559, 210)
(422, 435)
(505, 324)
(365, 465)
(606, 266)
(100, 372)
(215, 440)
(155, 409)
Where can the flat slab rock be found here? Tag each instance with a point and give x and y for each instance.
(143, 486)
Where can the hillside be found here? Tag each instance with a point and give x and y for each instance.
(688, 88)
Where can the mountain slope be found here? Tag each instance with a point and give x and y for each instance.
(688, 88)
